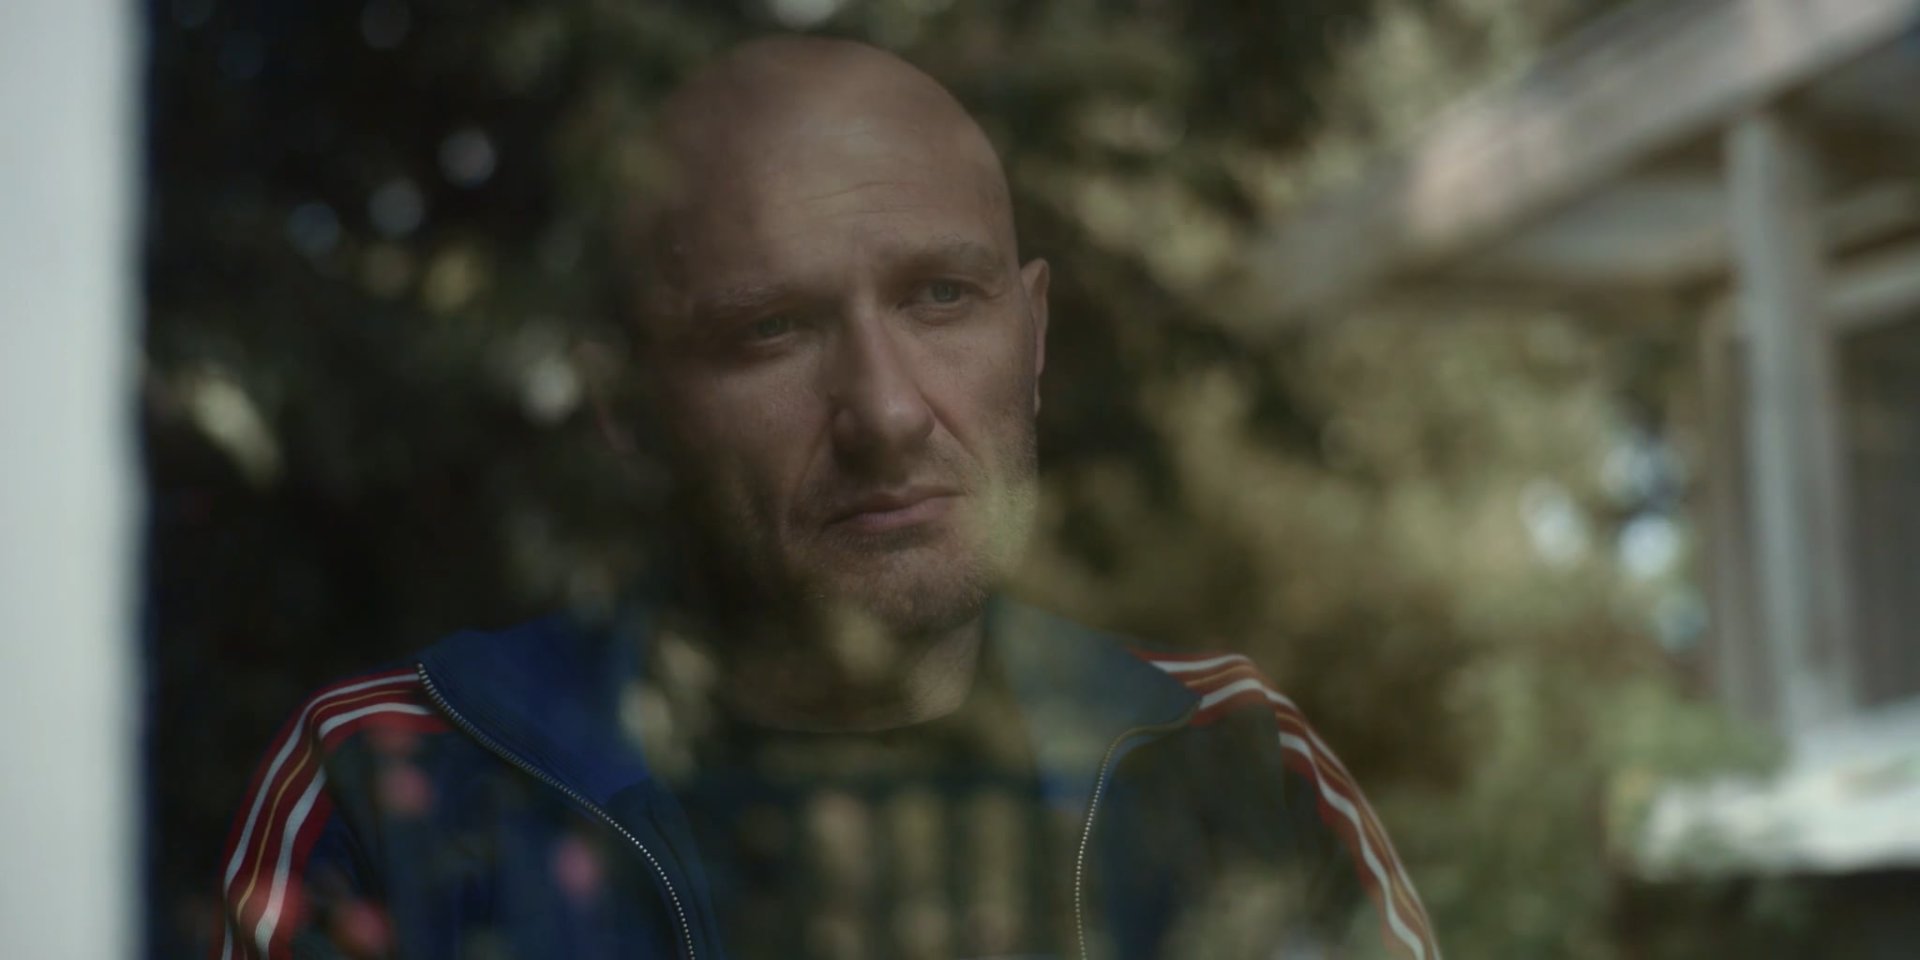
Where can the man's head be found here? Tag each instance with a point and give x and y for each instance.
(842, 346)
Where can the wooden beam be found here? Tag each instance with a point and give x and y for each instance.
(1861, 148)
(1614, 240)
(1861, 293)
(1876, 290)
(1652, 229)
(1794, 466)
(1465, 295)
(1640, 83)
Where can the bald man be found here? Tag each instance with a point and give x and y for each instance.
(824, 733)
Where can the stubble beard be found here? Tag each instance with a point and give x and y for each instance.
(919, 582)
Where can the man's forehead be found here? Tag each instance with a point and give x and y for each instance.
(826, 145)
(818, 108)
(887, 253)
(831, 190)
(794, 158)
(858, 189)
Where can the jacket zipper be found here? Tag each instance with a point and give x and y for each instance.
(1086, 829)
(684, 928)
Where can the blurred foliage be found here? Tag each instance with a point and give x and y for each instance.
(378, 324)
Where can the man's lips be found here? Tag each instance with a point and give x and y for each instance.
(881, 512)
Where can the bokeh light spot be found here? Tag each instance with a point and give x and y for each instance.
(801, 14)
(405, 791)
(468, 157)
(577, 868)
(384, 23)
(1554, 523)
(362, 929)
(397, 208)
(313, 229)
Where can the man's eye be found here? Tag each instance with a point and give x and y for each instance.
(769, 328)
(945, 291)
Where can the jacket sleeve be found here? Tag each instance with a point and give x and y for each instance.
(1362, 848)
(294, 881)
(1323, 807)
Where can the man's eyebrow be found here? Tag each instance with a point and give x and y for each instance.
(751, 297)
(741, 299)
(953, 254)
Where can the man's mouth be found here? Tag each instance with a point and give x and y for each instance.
(894, 510)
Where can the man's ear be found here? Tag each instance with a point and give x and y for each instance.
(602, 368)
(1034, 277)
(625, 416)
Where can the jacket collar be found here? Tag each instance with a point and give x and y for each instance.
(550, 692)
(1080, 691)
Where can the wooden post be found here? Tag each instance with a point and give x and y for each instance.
(70, 861)
(1793, 419)
(1736, 655)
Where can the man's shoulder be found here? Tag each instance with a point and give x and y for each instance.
(540, 664)
(396, 702)
(289, 801)
(1213, 681)
(1228, 686)
(390, 698)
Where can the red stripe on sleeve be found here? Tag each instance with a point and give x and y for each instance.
(1312, 760)
(386, 701)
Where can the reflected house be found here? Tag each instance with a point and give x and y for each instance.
(1748, 171)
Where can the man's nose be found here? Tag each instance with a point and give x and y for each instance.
(881, 417)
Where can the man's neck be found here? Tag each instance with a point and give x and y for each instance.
(841, 675)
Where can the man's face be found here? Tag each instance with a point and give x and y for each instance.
(847, 373)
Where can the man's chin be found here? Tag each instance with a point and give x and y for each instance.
(905, 603)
